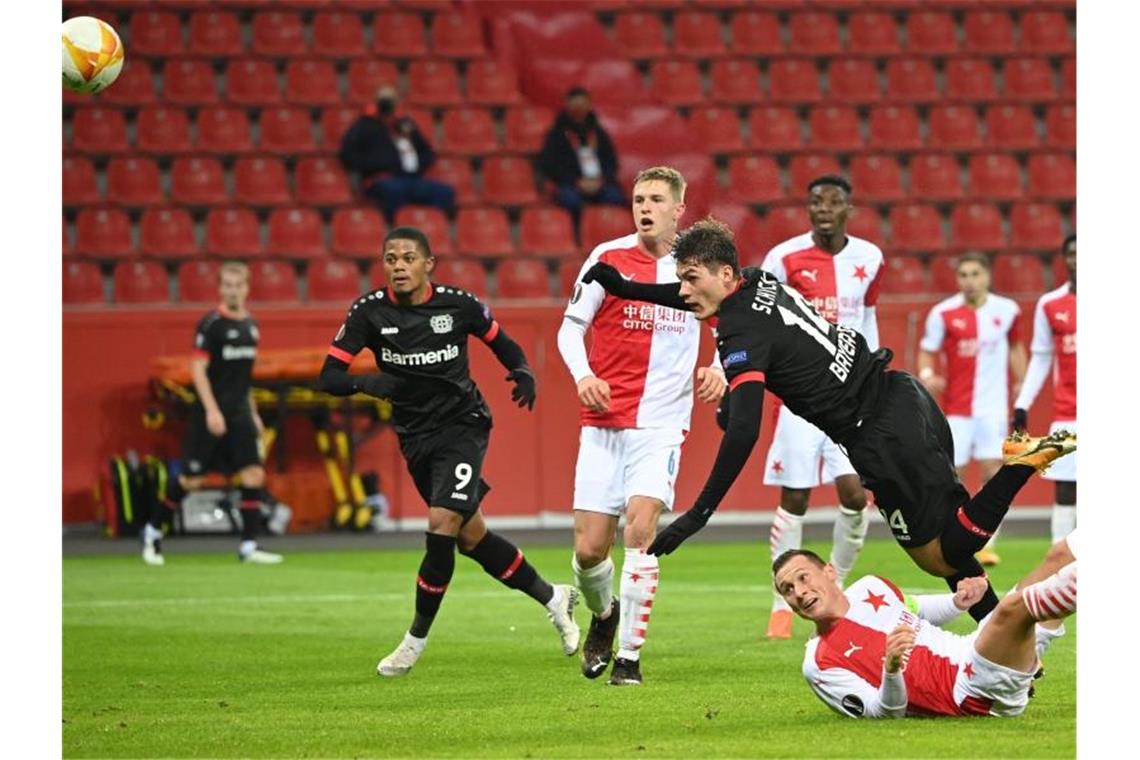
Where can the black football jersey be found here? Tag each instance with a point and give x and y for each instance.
(425, 343)
(825, 373)
(230, 345)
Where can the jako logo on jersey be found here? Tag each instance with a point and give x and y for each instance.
(736, 357)
(441, 324)
(389, 330)
(420, 358)
(239, 352)
(231, 334)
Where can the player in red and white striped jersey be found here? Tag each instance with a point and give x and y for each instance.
(979, 332)
(839, 275)
(636, 389)
(1054, 347)
(880, 653)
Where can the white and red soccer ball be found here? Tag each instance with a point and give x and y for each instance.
(92, 54)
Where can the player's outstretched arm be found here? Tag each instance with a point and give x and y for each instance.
(663, 294)
(335, 380)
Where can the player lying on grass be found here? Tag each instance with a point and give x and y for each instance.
(880, 653)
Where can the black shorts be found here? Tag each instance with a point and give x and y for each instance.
(446, 465)
(204, 452)
(904, 455)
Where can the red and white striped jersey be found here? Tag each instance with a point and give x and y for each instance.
(844, 666)
(842, 287)
(646, 353)
(977, 344)
(1055, 332)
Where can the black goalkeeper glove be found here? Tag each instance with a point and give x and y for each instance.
(1020, 420)
(606, 276)
(684, 526)
(524, 392)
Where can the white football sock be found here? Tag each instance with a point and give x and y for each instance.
(847, 537)
(151, 533)
(1063, 521)
(247, 548)
(639, 573)
(415, 642)
(596, 584)
(787, 532)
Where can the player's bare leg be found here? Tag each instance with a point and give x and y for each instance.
(252, 482)
(1009, 638)
(849, 532)
(639, 577)
(786, 533)
(987, 556)
(593, 567)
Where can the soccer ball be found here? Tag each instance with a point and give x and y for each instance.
(92, 54)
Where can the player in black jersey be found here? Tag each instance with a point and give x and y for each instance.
(224, 426)
(897, 438)
(417, 330)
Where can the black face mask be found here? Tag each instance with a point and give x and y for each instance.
(386, 106)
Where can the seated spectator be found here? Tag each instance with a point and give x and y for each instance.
(389, 155)
(579, 158)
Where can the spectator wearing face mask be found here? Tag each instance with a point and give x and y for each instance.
(579, 157)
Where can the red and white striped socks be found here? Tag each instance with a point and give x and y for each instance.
(639, 573)
(787, 533)
(1055, 597)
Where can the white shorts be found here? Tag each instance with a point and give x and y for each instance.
(617, 463)
(1064, 468)
(801, 456)
(977, 437)
(1003, 690)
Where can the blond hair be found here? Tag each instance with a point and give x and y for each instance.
(235, 267)
(666, 174)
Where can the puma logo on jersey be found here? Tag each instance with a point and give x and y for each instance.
(1063, 316)
(811, 274)
(852, 649)
(959, 324)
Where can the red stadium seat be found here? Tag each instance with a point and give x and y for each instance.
(904, 275)
(99, 130)
(252, 82)
(1059, 270)
(780, 224)
(357, 232)
(188, 82)
(466, 274)
(547, 231)
(970, 80)
(953, 128)
(156, 33)
(198, 281)
(80, 185)
(433, 83)
(224, 130)
(334, 122)
(134, 87)
(603, 223)
(1012, 127)
(138, 282)
(815, 34)
(522, 278)
(296, 233)
(876, 179)
(311, 82)
(735, 82)
(133, 181)
(68, 240)
(215, 34)
(82, 283)
(458, 35)
(337, 34)
(756, 33)
(1061, 127)
(641, 35)
(935, 177)
(916, 227)
(1069, 78)
(490, 83)
(794, 81)
(167, 233)
(568, 270)
(894, 128)
(320, 181)
(1018, 273)
(835, 128)
(912, 80)
(103, 233)
(431, 221)
(468, 132)
(697, 35)
(1045, 32)
(977, 225)
(456, 171)
(944, 273)
(272, 282)
(988, 32)
(1052, 176)
(853, 80)
(872, 33)
(755, 179)
(399, 35)
(994, 176)
(931, 33)
(287, 131)
(366, 75)
(163, 130)
(334, 280)
(525, 127)
(483, 232)
(747, 229)
(804, 168)
(717, 129)
(1028, 79)
(676, 83)
(509, 181)
(774, 128)
(198, 181)
(279, 34)
(1035, 226)
(867, 223)
(233, 232)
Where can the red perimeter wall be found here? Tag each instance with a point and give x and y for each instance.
(106, 364)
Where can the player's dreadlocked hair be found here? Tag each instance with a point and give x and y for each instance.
(410, 233)
(791, 554)
(709, 243)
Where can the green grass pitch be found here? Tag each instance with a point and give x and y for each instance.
(209, 658)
